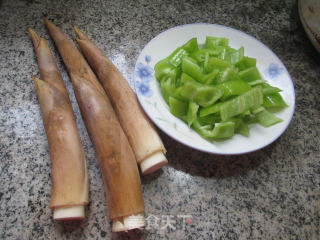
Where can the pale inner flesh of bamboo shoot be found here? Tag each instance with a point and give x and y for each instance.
(131, 222)
(153, 163)
(69, 213)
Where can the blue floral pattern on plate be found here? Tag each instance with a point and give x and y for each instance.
(144, 75)
(273, 71)
(147, 58)
(144, 89)
(144, 72)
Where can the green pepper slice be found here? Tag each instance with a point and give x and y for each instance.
(177, 107)
(274, 101)
(233, 88)
(241, 103)
(250, 74)
(192, 112)
(267, 119)
(190, 67)
(191, 46)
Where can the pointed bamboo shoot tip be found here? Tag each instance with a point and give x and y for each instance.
(35, 38)
(31, 31)
(129, 223)
(153, 163)
(48, 23)
(76, 29)
(35, 79)
(69, 213)
(80, 34)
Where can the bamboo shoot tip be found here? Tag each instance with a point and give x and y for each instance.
(35, 38)
(48, 22)
(34, 78)
(80, 35)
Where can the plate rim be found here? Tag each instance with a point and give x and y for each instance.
(140, 98)
(307, 29)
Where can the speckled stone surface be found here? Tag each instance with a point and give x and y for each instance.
(270, 194)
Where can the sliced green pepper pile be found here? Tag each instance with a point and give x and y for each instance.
(217, 90)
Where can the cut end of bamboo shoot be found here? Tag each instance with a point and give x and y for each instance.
(153, 163)
(129, 223)
(69, 213)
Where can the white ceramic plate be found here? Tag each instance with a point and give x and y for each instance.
(149, 95)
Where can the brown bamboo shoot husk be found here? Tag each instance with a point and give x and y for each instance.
(68, 162)
(143, 138)
(115, 156)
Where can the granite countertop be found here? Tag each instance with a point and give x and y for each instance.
(273, 193)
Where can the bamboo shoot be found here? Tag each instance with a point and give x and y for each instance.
(143, 138)
(68, 162)
(115, 156)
